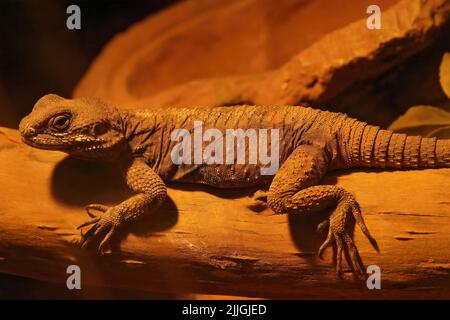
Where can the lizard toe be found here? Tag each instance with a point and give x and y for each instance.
(88, 223)
(328, 242)
(257, 205)
(322, 227)
(96, 207)
(258, 202)
(106, 242)
(103, 229)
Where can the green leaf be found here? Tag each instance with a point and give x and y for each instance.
(444, 74)
(425, 121)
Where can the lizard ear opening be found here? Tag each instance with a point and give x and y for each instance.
(100, 128)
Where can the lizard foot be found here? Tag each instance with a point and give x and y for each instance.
(340, 235)
(104, 226)
(258, 202)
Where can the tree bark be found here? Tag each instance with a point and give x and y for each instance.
(210, 243)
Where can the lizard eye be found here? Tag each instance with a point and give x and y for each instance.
(59, 122)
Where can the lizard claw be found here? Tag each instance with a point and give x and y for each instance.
(340, 237)
(104, 227)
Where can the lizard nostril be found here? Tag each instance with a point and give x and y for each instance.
(29, 132)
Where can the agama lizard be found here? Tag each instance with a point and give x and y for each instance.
(311, 143)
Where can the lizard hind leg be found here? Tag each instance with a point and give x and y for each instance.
(294, 190)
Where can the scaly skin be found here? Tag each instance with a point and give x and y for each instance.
(312, 142)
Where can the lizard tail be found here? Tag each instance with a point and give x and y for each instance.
(386, 149)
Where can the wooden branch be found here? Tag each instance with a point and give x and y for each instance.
(211, 243)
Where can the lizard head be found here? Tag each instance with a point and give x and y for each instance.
(85, 127)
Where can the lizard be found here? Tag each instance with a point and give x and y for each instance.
(312, 142)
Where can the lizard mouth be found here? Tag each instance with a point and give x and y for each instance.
(49, 142)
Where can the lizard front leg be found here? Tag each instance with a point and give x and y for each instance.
(294, 190)
(151, 192)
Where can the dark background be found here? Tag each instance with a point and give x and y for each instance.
(39, 55)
